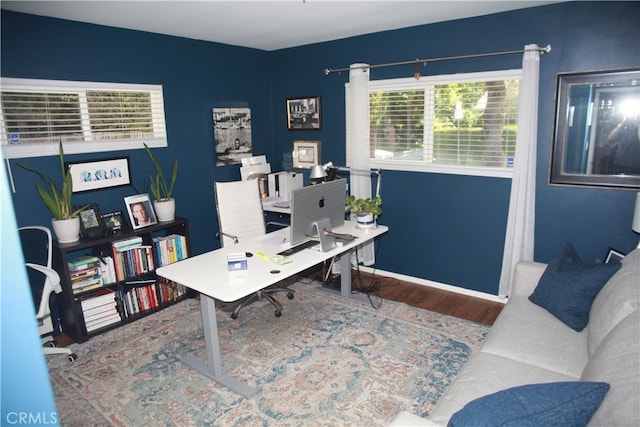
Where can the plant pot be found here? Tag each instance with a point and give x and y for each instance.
(165, 210)
(365, 220)
(66, 230)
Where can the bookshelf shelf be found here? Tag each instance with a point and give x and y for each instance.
(107, 283)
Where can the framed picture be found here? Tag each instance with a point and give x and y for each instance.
(306, 154)
(114, 222)
(98, 174)
(303, 113)
(140, 211)
(613, 256)
(91, 223)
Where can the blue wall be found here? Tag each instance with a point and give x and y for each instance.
(459, 237)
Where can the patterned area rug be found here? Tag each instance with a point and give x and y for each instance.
(326, 362)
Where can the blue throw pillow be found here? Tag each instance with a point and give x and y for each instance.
(568, 287)
(551, 404)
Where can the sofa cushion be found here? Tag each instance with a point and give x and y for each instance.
(488, 373)
(617, 362)
(528, 333)
(568, 287)
(617, 299)
(560, 404)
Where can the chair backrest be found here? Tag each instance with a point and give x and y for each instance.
(36, 248)
(239, 210)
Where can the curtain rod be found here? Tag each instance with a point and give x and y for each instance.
(544, 50)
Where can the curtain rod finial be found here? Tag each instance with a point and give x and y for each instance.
(547, 48)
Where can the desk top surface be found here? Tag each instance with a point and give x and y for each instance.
(208, 274)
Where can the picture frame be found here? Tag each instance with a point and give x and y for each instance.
(138, 208)
(613, 256)
(114, 221)
(304, 113)
(92, 225)
(306, 154)
(99, 174)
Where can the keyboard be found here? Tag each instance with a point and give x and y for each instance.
(294, 249)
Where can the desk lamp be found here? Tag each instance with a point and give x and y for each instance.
(635, 224)
(328, 171)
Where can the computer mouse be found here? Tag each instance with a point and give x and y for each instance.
(248, 254)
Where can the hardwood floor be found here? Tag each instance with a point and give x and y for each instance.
(451, 303)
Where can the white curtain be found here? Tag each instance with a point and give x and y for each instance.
(518, 243)
(359, 143)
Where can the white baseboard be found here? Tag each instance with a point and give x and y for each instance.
(432, 284)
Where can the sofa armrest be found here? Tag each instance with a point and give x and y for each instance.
(526, 276)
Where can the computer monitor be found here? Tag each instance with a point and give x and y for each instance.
(313, 203)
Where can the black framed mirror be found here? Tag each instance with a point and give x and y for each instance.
(596, 131)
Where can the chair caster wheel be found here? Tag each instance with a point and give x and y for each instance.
(72, 357)
(234, 316)
(278, 313)
(290, 295)
(52, 343)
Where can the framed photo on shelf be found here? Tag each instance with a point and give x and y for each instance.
(140, 211)
(306, 154)
(613, 256)
(303, 113)
(98, 174)
(114, 222)
(91, 223)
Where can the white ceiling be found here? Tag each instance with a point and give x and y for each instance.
(267, 25)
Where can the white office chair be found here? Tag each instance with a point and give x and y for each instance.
(240, 218)
(44, 281)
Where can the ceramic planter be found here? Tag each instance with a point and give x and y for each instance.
(66, 230)
(165, 210)
(365, 220)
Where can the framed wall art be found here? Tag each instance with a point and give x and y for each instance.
(98, 174)
(140, 211)
(613, 255)
(306, 154)
(303, 113)
(114, 221)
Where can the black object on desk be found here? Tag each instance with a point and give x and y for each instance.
(294, 249)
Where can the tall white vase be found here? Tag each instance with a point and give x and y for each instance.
(66, 230)
(165, 210)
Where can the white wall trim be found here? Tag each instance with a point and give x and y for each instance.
(437, 285)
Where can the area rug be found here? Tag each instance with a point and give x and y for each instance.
(327, 361)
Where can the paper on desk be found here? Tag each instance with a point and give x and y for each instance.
(273, 240)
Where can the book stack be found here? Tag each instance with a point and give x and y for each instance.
(100, 310)
(170, 249)
(85, 273)
(131, 258)
(138, 298)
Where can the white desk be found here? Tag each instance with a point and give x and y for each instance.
(208, 274)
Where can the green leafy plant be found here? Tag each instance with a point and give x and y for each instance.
(57, 200)
(370, 205)
(159, 188)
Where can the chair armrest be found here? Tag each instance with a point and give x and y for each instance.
(51, 284)
(231, 236)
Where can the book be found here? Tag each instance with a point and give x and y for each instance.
(127, 243)
(99, 298)
(83, 262)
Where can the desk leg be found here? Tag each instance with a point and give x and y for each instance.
(213, 367)
(345, 274)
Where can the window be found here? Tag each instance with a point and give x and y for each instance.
(35, 115)
(463, 123)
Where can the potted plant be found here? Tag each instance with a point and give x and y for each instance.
(163, 204)
(366, 210)
(65, 222)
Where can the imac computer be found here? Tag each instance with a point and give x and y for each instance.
(314, 203)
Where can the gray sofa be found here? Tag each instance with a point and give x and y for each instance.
(528, 345)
